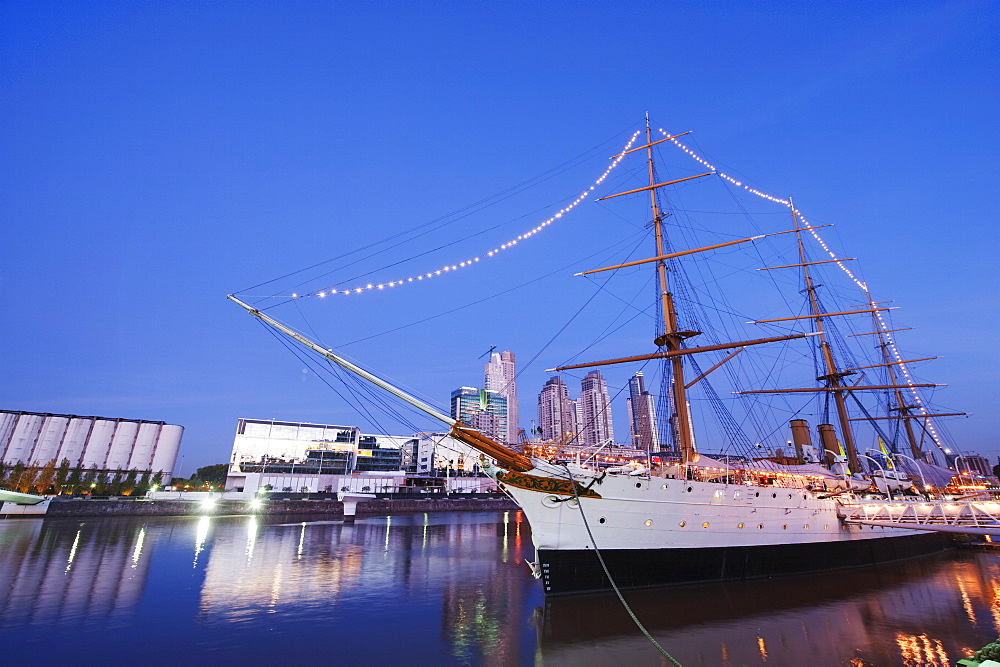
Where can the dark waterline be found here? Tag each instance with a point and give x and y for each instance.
(446, 588)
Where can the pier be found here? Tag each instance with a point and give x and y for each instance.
(969, 516)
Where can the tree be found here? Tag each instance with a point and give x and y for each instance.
(181, 483)
(16, 475)
(116, 482)
(75, 480)
(214, 475)
(62, 474)
(143, 485)
(90, 479)
(46, 476)
(208, 477)
(27, 484)
(101, 483)
(129, 483)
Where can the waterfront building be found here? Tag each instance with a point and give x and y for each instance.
(978, 465)
(292, 456)
(970, 464)
(500, 376)
(483, 409)
(107, 444)
(557, 417)
(642, 415)
(302, 457)
(595, 411)
(441, 454)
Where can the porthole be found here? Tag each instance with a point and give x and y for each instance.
(789, 496)
(638, 485)
(704, 525)
(664, 486)
(649, 522)
(757, 495)
(689, 489)
(760, 526)
(805, 527)
(602, 520)
(784, 527)
(827, 527)
(682, 524)
(774, 495)
(740, 526)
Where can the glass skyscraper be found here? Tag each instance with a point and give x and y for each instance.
(642, 415)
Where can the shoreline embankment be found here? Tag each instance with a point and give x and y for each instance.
(327, 507)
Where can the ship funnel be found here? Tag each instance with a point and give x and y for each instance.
(829, 442)
(801, 439)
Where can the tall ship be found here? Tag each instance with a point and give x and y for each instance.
(716, 500)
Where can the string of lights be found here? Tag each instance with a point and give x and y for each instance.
(727, 177)
(819, 239)
(449, 268)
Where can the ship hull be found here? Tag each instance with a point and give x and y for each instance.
(654, 531)
(578, 571)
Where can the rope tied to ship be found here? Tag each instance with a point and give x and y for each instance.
(611, 580)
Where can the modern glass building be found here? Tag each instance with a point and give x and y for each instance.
(595, 410)
(482, 409)
(642, 415)
(499, 376)
(556, 412)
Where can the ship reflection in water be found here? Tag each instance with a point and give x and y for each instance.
(927, 611)
(448, 588)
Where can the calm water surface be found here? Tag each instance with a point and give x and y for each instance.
(445, 588)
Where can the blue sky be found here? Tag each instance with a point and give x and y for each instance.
(158, 156)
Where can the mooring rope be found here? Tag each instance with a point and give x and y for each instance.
(607, 573)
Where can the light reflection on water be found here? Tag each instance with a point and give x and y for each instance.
(446, 588)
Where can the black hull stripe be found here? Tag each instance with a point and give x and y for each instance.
(578, 571)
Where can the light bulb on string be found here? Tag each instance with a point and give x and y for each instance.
(819, 239)
(509, 244)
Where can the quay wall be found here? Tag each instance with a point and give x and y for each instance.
(330, 508)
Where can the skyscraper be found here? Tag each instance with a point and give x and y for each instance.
(499, 376)
(556, 412)
(595, 410)
(482, 409)
(642, 415)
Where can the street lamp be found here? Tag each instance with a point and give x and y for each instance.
(884, 478)
(835, 455)
(968, 470)
(919, 470)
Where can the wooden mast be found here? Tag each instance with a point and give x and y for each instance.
(833, 377)
(901, 405)
(672, 337)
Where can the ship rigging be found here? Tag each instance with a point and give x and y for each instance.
(685, 516)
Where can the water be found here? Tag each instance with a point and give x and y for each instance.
(440, 589)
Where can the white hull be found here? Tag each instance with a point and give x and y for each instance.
(664, 517)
